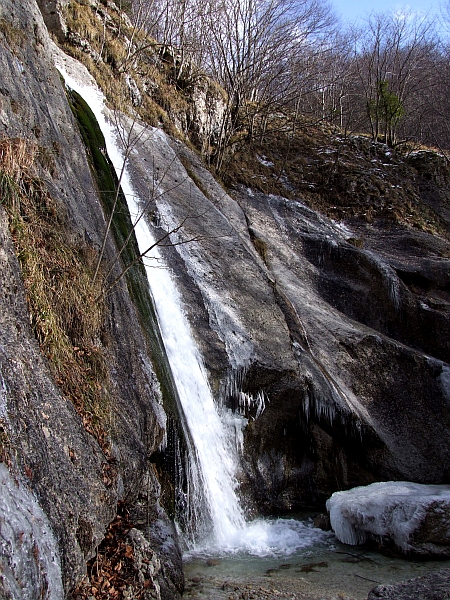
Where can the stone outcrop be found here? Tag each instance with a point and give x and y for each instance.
(345, 353)
(53, 14)
(76, 480)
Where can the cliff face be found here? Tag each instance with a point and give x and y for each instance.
(344, 344)
(78, 471)
(331, 339)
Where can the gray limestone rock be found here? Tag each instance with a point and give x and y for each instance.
(288, 313)
(53, 14)
(43, 438)
(146, 563)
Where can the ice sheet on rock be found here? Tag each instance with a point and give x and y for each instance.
(393, 509)
(445, 381)
(389, 276)
(3, 397)
(224, 315)
(29, 559)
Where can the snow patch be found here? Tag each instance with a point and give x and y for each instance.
(263, 160)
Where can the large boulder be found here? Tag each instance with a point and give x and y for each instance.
(411, 518)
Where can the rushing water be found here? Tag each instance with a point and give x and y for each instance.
(325, 570)
(214, 451)
(215, 448)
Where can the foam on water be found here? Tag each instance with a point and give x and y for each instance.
(266, 538)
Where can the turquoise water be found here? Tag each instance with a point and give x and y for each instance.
(324, 569)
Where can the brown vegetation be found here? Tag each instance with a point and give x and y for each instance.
(57, 271)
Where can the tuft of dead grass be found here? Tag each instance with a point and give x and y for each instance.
(81, 18)
(108, 37)
(14, 36)
(57, 272)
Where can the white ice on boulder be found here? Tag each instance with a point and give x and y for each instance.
(29, 558)
(395, 510)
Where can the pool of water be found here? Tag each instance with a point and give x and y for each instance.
(323, 569)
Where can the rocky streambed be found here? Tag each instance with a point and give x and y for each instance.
(342, 573)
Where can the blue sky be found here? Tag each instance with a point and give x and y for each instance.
(358, 9)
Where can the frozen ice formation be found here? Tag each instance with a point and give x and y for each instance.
(412, 516)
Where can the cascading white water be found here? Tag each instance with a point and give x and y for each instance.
(215, 447)
(215, 453)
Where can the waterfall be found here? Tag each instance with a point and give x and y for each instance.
(211, 469)
(215, 453)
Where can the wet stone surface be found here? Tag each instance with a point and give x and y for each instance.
(261, 588)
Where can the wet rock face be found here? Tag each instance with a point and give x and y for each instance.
(76, 481)
(362, 396)
(318, 333)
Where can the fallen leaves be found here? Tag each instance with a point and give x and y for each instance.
(112, 573)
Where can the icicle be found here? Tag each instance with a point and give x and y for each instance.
(389, 277)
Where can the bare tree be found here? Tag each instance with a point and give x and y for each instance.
(324, 80)
(391, 63)
(282, 55)
(251, 45)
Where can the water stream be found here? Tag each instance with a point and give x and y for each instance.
(215, 449)
(323, 570)
(214, 452)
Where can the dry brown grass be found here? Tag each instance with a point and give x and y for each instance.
(81, 18)
(57, 272)
(14, 36)
(162, 105)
